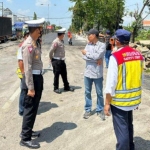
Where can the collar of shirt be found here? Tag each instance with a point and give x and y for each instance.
(29, 39)
(93, 43)
(119, 49)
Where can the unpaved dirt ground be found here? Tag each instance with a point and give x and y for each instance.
(60, 116)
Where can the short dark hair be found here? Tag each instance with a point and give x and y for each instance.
(32, 29)
(59, 34)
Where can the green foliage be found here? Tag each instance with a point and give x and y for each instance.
(35, 16)
(136, 26)
(143, 35)
(97, 13)
(57, 27)
(48, 22)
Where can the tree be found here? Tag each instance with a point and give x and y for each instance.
(35, 16)
(54, 26)
(97, 14)
(57, 27)
(138, 23)
(48, 22)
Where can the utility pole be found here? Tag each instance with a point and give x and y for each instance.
(2, 8)
(48, 13)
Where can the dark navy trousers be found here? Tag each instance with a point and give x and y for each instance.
(123, 127)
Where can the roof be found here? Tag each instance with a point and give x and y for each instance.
(146, 22)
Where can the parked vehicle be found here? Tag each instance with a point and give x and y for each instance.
(5, 29)
(19, 29)
(14, 34)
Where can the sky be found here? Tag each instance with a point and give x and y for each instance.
(57, 10)
(131, 5)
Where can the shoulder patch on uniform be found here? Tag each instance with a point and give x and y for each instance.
(30, 48)
(55, 44)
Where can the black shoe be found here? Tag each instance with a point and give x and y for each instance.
(21, 114)
(57, 91)
(34, 134)
(69, 89)
(30, 144)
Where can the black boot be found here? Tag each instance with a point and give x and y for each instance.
(68, 89)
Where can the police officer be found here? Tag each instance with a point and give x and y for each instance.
(20, 72)
(123, 89)
(57, 57)
(33, 80)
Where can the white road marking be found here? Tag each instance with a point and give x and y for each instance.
(11, 99)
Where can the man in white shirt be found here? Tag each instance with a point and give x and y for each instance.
(123, 89)
(93, 54)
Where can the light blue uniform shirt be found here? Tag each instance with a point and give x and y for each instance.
(93, 53)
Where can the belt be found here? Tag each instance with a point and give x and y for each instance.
(38, 72)
(59, 58)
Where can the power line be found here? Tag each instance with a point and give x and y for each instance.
(40, 17)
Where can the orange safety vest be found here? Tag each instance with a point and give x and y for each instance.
(130, 67)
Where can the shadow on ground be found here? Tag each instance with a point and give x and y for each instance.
(49, 134)
(141, 144)
(75, 88)
(45, 106)
(48, 69)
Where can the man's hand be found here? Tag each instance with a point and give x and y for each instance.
(83, 51)
(31, 93)
(107, 109)
(99, 62)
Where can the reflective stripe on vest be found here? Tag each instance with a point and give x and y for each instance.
(128, 89)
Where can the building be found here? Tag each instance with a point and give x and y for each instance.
(13, 18)
(7, 12)
(146, 24)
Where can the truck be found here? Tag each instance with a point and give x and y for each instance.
(19, 27)
(5, 29)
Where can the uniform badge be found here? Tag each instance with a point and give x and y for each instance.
(55, 45)
(36, 56)
(30, 48)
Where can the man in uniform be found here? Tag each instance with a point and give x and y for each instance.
(20, 72)
(57, 57)
(93, 55)
(123, 89)
(33, 80)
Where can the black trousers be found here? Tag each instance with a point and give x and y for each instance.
(59, 68)
(30, 108)
(123, 126)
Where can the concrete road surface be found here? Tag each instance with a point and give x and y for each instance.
(60, 116)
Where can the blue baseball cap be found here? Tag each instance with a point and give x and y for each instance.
(108, 32)
(123, 35)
